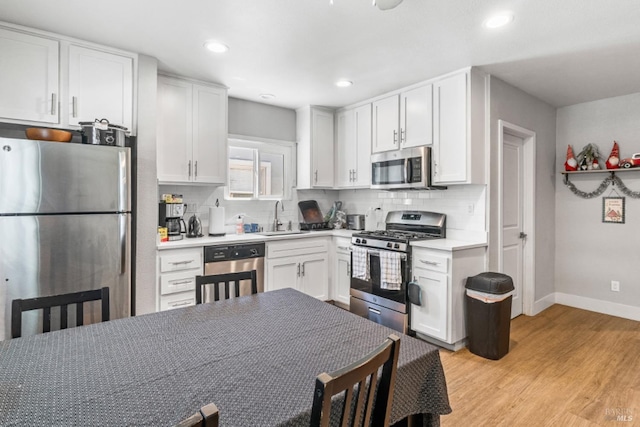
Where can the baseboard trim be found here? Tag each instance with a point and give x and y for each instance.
(604, 307)
(543, 303)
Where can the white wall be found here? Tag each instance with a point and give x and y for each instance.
(250, 118)
(519, 108)
(147, 207)
(591, 253)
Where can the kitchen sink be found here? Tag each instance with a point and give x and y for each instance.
(281, 233)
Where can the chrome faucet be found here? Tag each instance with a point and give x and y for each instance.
(276, 221)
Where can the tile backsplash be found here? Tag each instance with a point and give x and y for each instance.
(464, 205)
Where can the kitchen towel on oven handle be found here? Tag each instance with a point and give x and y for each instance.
(390, 271)
(360, 263)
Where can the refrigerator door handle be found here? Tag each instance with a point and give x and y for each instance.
(123, 181)
(122, 223)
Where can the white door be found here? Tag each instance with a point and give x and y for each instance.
(386, 116)
(209, 135)
(362, 173)
(28, 77)
(512, 216)
(322, 148)
(314, 273)
(100, 87)
(174, 130)
(345, 149)
(282, 273)
(342, 279)
(430, 318)
(450, 130)
(416, 117)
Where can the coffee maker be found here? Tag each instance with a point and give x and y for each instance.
(170, 216)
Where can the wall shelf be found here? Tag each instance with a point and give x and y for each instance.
(611, 179)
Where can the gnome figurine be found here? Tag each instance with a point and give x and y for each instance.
(571, 164)
(613, 162)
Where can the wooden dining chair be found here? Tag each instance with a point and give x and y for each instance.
(362, 411)
(227, 279)
(207, 416)
(18, 306)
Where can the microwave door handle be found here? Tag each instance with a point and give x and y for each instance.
(407, 171)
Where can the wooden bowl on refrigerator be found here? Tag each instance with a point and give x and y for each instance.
(44, 134)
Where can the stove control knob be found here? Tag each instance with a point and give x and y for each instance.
(364, 241)
(396, 246)
(357, 240)
(389, 245)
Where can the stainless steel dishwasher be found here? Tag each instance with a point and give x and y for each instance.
(221, 259)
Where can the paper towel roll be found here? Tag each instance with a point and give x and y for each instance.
(216, 221)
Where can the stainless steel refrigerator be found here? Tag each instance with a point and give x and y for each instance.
(65, 226)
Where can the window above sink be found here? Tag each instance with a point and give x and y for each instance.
(259, 169)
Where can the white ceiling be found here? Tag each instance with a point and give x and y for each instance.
(561, 51)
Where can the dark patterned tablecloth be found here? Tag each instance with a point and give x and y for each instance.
(255, 357)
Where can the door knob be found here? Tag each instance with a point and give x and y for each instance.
(523, 235)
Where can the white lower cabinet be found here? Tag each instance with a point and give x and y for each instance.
(301, 264)
(177, 271)
(340, 282)
(441, 276)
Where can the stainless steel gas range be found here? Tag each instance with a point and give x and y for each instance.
(381, 266)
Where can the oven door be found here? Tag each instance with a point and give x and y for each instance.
(370, 290)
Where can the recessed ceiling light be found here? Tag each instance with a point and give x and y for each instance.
(267, 96)
(216, 46)
(344, 83)
(499, 20)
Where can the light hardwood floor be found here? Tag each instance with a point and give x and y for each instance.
(565, 367)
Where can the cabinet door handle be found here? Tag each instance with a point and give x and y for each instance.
(181, 262)
(54, 103)
(303, 269)
(429, 262)
(355, 175)
(349, 269)
(403, 138)
(298, 269)
(181, 282)
(316, 176)
(74, 106)
(395, 136)
(189, 168)
(180, 304)
(196, 170)
(344, 248)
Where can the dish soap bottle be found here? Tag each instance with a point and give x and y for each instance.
(239, 225)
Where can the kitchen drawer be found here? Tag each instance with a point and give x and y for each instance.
(297, 247)
(181, 260)
(172, 283)
(183, 299)
(431, 260)
(342, 245)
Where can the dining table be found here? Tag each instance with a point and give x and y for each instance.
(256, 357)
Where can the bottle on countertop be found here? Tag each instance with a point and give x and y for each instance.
(239, 225)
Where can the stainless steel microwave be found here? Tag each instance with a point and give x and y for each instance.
(409, 168)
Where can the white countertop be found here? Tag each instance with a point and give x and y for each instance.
(448, 244)
(247, 238)
(439, 244)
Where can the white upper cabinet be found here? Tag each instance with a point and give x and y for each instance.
(53, 80)
(385, 124)
(29, 84)
(353, 147)
(192, 132)
(404, 120)
(100, 86)
(459, 129)
(315, 147)
(416, 117)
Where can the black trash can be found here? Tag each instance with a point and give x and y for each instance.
(488, 300)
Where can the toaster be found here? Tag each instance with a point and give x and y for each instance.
(355, 222)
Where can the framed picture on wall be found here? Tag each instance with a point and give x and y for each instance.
(613, 210)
